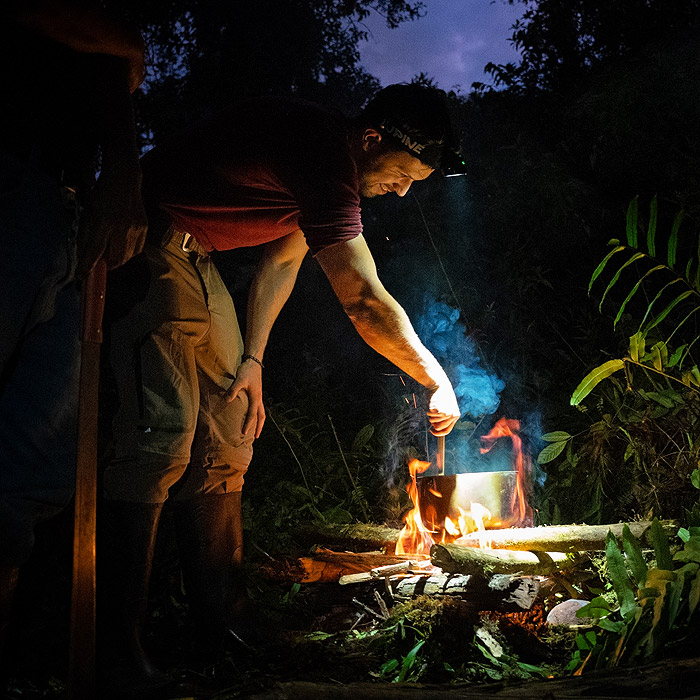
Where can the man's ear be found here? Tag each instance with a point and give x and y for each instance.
(371, 138)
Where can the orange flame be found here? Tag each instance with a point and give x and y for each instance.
(422, 529)
(415, 538)
(518, 503)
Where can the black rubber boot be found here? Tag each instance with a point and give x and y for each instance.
(210, 541)
(8, 584)
(127, 542)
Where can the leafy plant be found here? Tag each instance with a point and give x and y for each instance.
(655, 604)
(660, 363)
(636, 457)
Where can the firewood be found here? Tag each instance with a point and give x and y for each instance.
(356, 537)
(559, 538)
(375, 573)
(457, 559)
(500, 592)
(326, 566)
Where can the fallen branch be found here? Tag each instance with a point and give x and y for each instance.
(357, 537)
(327, 566)
(457, 559)
(559, 538)
(500, 592)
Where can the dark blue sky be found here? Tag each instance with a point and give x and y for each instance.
(452, 43)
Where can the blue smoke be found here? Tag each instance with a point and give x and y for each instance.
(478, 391)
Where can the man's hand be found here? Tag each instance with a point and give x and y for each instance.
(249, 379)
(443, 410)
(113, 223)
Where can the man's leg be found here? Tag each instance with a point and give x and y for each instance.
(207, 501)
(153, 356)
(39, 358)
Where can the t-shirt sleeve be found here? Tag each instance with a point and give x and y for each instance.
(323, 181)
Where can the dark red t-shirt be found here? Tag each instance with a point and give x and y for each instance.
(256, 172)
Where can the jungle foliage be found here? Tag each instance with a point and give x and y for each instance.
(652, 606)
(637, 457)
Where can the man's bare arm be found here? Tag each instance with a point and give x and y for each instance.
(273, 283)
(384, 325)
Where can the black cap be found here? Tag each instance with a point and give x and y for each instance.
(416, 119)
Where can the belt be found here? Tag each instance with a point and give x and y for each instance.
(187, 242)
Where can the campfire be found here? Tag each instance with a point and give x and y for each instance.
(446, 508)
(469, 536)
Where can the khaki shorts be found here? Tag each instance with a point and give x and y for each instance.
(175, 353)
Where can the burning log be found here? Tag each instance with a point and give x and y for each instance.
(457, 559)
(558, 538)
(500, 592)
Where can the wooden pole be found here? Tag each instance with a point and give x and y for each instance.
(82, 632)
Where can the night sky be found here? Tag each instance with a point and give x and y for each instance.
(451, 43)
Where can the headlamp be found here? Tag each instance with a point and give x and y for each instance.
(433, 152)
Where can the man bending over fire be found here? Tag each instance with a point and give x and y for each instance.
(288, 175)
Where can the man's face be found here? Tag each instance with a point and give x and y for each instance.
(382, 171)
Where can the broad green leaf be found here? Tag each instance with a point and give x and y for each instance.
(647, 313)
(637, 346)
(673, 239)
(677, 354)
(695, 478)
(601, 266)
(594, 378)
(635, 558)
(662, 581)
(551, 452)
(668, 310)
(651, 230)
(656, 356)
(624, 590)
(597, 608)
(675, 591)
(616, 277)
(694, 593)
(611, 625)
(659, 542)
(658, 397)
(682, 323)
(633, 291)
(556, 436)
(632, 217)
(409, 660)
